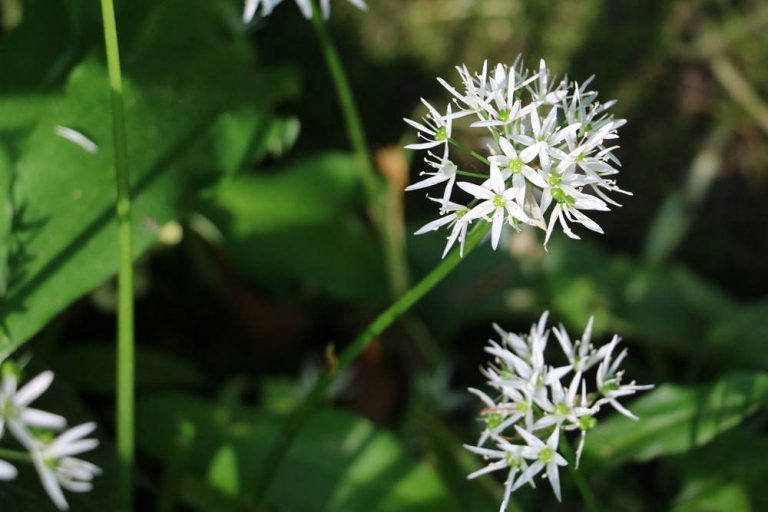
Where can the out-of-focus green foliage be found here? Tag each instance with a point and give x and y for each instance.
(301, 223)
(172, 110)
(218, 450)
(255, 249)
(677, 419)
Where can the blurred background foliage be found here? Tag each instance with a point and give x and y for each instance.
(254, 250)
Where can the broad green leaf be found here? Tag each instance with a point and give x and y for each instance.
(713, 497)
(300, 225)
(90, 368)
(309, 193)
(727, 475)
(342, 462)
(63, 196)
(675, 419)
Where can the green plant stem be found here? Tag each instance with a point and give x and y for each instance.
(469, 150)
(472, 174)
(590, 503)
(14, 455)
(125, 335)
(387, 224)
(295, 421)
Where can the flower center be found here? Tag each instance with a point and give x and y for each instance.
(7, 410)
(512, 461)
(493, 419)
(562, 410)
(516, 165)
(561, 197)
(521, 407)
(499, 201)
(506, 374)
(546, 454)
(449, 169)
(504, 115)
(10, 370)
(441, 134)
(587, 423)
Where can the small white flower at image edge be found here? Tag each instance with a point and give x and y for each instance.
(57, 467)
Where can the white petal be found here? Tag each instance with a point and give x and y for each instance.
(490, 468)
(498, 223)
(306, 8)
(360, 4)
(49, 481)
(428, 182)
(33, 389)
(529, 438)
(419, 126)
(72, 435)
(424, 145)
(74, 448)
(475, 190)
(554, 479)
(78, 138)
(528, 474)
(435, 224)
(249, 10)
(507, 148)
(7, 471)
(42, 419)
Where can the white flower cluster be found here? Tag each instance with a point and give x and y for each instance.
(267, 6)
(549, 150)
(35, 430)
(531, 405)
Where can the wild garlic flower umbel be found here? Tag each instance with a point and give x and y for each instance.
(35, 431)
(531, 403)
(305, 6)
(550, 152)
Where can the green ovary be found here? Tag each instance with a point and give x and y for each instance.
(516, 165)
(512, 461)
(561, 197)
(493, 420)
(587, 423)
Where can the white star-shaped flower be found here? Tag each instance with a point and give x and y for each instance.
(497, 201)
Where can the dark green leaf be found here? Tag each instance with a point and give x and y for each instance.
(675, 419)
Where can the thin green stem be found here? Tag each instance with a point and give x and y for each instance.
(14, 455)
(472, 174)
(295, 421)
(469, 150)
(125, 335)
(386, 223)
(590, 503)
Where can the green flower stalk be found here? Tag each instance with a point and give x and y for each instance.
(125, 324)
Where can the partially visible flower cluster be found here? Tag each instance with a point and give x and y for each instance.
(267, 6)
(533, 402)
(36, 432)
(550, 149)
